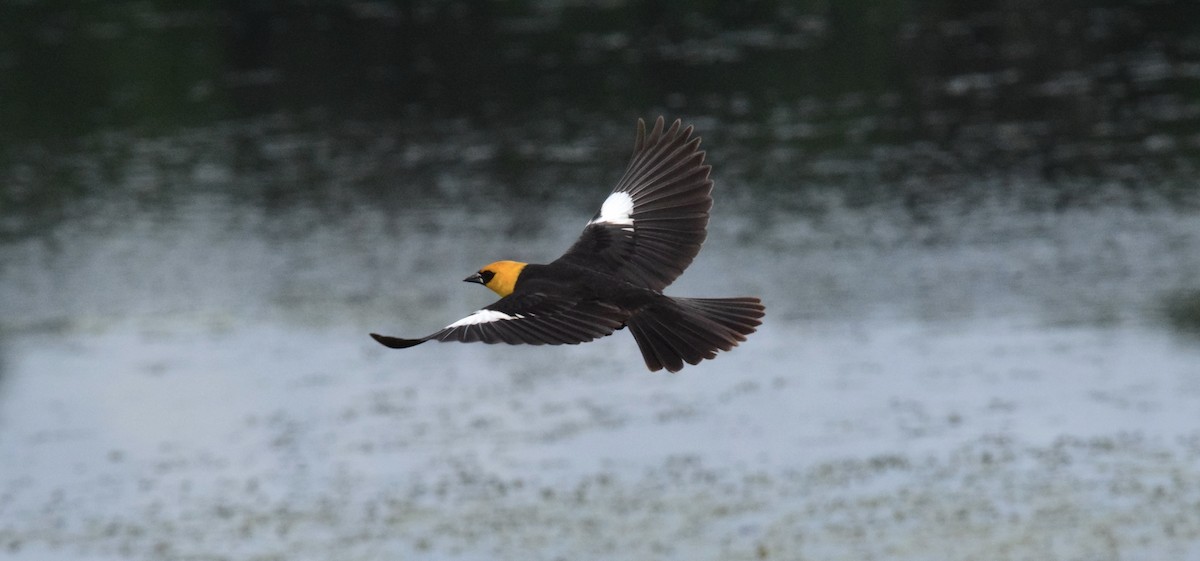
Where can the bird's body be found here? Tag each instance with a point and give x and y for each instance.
(646, 233)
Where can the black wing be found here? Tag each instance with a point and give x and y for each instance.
(530, 319)
(651, 226)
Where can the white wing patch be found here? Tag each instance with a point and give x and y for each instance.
(616, 209)
(484, 316)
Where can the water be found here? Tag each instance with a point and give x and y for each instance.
(982, 315)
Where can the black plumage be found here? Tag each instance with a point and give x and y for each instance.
(646, 233)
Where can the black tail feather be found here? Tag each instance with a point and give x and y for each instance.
(678, 330)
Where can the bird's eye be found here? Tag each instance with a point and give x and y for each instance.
(486, 276)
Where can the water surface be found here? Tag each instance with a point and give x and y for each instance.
(979, 256)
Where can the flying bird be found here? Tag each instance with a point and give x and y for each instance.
(646, 233)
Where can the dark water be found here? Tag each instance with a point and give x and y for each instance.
(976, 230)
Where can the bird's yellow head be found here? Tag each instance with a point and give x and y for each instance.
(500, 276)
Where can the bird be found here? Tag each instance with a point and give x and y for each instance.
(647, 231)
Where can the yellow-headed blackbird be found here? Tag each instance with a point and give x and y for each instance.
(646, 233)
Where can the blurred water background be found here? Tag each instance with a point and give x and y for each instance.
(976, 228)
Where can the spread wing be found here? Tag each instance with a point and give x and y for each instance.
(651, 226)
(526, 318)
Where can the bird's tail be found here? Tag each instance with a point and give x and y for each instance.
(676, 330)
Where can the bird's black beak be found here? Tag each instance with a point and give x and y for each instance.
(475, 278)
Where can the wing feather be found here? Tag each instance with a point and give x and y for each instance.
(526, 319)
(668, 184)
